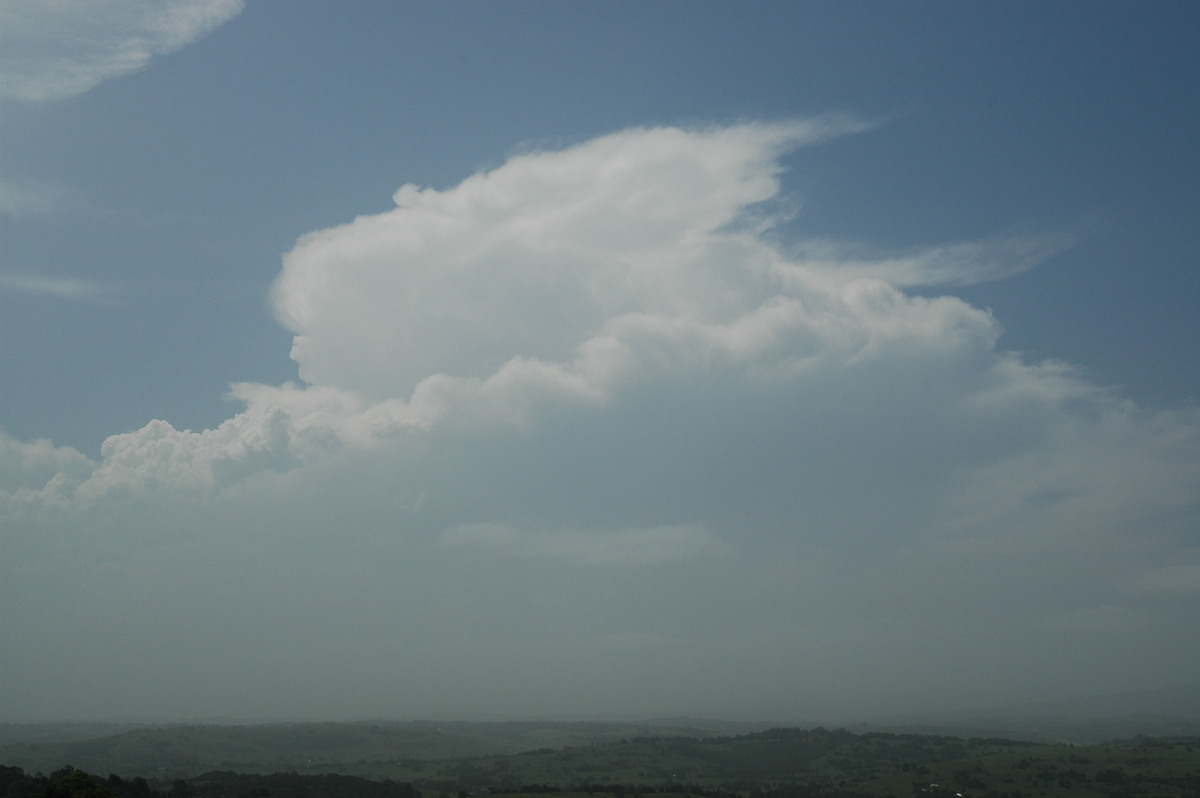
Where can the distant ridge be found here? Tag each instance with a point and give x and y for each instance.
(1161, 712)
(264, 748)
(159, 749)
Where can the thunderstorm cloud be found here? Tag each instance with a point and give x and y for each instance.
(589, 432)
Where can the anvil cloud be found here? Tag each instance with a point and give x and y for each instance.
(591, 431)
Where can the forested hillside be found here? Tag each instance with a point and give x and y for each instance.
(778, 763)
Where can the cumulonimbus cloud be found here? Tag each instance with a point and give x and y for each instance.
(54, 49)
(600, 358)
(534, 258)
(581, 280)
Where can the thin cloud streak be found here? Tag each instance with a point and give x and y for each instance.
(25, 198)
(55, 49)
(61, 287)
(623, 547)
(958, 264)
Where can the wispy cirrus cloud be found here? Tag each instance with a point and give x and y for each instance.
(650, 546)
(958, 264)
(54, 49)
(61, 287)
(22, 198)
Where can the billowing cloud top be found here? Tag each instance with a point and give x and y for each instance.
(534, 258)
(602, 361)
(53, 49)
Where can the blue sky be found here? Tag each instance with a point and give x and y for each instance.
(771, 296)
(178, 187)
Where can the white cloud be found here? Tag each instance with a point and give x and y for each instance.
(651, 546)
(53, 49)
(534, 258)
(946, 265)
(595, 357)
(30, 466)
(20, 198)
(62, 287)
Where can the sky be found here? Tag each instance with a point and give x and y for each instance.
(793, 361)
